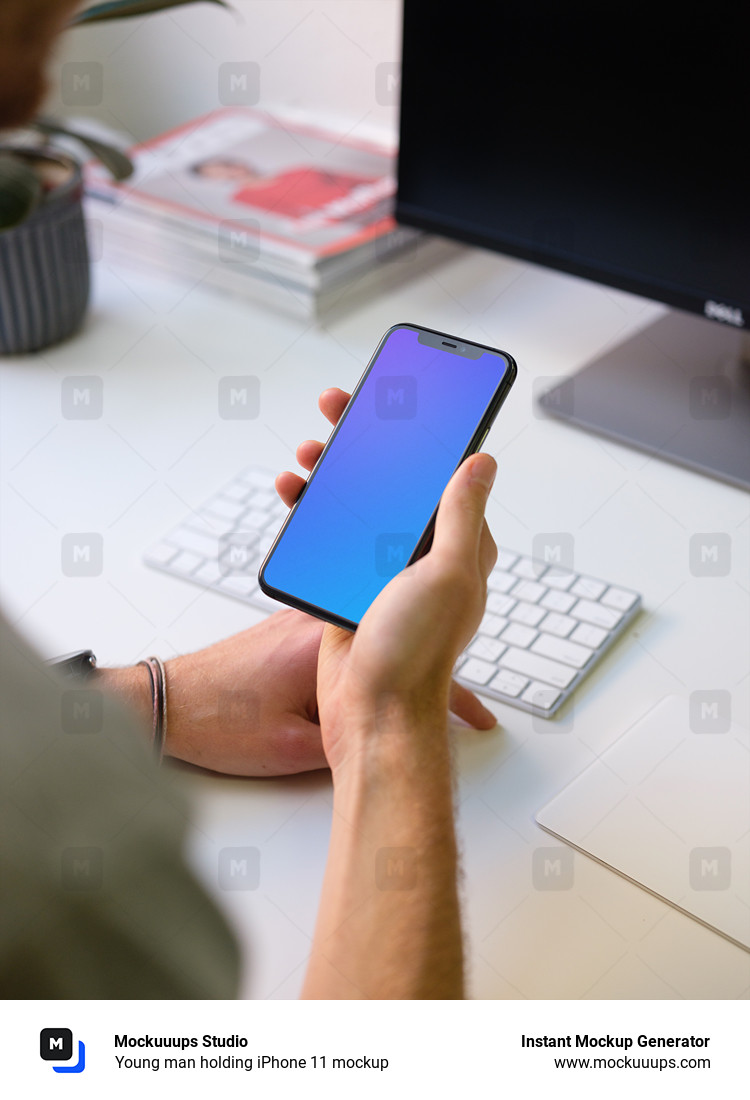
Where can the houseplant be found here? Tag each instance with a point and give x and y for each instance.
(44, 257)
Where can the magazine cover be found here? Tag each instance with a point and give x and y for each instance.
(284, 184)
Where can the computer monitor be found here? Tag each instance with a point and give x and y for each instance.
(609, 143)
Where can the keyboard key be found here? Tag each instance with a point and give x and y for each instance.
(505, 559)
(486, 649)
(501, 582)
(595, 614)
(558, 601)
(530, 591)
(239, 584)
(558, 578)
(618, 598)
(588, 588)
(585, 634)
(509, 683)
(205, 523)
(491, 625)
(201, 542)
(256, 520)
(186, 562)
(209, 573)
(161, 554)
(224, 508)
(476, 671)
(263, 500)
(258, 479)
(520, 635)
(499, 604)
(560, 625)
(559, 649)
(527, 613)
(537, 668)
(541, 695)
(528, 568)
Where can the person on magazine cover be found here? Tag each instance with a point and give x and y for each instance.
(98, 901)
(295, 193)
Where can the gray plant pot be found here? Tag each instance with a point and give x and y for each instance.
(44, 267)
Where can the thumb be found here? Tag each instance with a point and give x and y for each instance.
(458, 525)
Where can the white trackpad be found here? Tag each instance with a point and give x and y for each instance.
(668, 806)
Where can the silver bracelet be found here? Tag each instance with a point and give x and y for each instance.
(158, 675)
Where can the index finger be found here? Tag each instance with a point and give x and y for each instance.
(332, 403)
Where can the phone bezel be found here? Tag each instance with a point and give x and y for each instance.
(425, 538)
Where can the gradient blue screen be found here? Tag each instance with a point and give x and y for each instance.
(373, 494)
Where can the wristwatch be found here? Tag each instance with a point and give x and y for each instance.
(75, 664)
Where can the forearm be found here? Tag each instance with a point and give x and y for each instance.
(389, 923)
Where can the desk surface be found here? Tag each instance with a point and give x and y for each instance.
(160, 448)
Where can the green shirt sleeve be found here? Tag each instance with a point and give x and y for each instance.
(97, 900)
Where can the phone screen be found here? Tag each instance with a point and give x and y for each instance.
(366, 506)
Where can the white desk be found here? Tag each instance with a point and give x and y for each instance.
(161, 447)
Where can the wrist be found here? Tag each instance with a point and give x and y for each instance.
(394, 742)
(131, 685)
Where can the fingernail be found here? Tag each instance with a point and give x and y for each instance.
(484, 470)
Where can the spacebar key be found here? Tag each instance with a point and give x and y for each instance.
(538, 668)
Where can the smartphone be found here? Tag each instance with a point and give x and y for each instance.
(424, 403)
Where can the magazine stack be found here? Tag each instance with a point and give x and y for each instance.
(255, 206)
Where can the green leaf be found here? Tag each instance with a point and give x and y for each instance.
(20, 190)
(113, 159)
(124, 9)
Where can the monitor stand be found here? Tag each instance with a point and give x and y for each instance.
(679, 389)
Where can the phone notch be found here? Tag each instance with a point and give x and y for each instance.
(453, 346)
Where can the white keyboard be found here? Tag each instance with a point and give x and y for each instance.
(544, 628)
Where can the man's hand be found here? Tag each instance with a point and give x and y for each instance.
(425, 616)
(401, 658)
(248, 705)
(244, 706)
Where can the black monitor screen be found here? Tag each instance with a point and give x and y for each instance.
(605, 141)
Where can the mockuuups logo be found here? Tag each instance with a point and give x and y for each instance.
(56, 1045)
